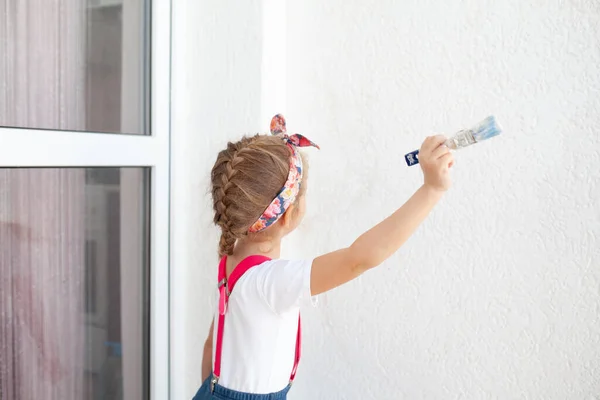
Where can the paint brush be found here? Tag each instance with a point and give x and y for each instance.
(486, 129)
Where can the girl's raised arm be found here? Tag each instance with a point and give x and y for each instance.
(380, 242)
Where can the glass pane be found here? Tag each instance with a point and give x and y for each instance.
(74, 65)
(74, 284)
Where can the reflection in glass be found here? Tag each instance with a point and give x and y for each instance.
(73, 284)
(74, 65)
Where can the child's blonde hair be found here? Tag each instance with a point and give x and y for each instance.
(246, 177)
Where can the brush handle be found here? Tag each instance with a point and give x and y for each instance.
(412, 158)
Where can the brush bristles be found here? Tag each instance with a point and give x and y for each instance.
(486, 129)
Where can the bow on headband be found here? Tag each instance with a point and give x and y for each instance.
(290, 190)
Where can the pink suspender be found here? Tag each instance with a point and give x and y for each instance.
(225, 288)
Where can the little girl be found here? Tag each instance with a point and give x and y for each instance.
(258, 188)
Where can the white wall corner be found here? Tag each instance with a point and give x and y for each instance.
(216, 96)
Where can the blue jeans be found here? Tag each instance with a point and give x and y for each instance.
(221, 393)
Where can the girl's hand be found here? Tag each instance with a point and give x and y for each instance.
(436, 160)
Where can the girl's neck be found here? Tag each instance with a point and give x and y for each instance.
(246, 248)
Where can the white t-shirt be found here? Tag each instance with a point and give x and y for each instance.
(261, 324)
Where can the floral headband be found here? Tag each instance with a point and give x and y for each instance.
(290, 190)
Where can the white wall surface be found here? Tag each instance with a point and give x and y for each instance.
(497, 296)
(216, 97)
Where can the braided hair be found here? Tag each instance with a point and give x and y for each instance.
(246, 177)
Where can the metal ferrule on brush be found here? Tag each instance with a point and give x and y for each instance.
(461, 140)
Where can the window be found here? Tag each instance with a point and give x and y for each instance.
(90, 62)
(74, 266)
(84, 199)
(91, 276)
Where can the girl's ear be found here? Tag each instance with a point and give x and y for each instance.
(288, 216)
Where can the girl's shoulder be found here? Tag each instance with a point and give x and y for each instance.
(282, 283)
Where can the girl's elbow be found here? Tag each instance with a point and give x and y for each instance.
(362, 261)
(360, 264)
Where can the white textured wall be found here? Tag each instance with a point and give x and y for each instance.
(498, 295)
(217, 55)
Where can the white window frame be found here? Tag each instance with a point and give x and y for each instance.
(52, 148)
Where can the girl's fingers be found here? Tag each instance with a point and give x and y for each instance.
(432, 143)
(437, 141)
(447, 160)
(442, 150)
